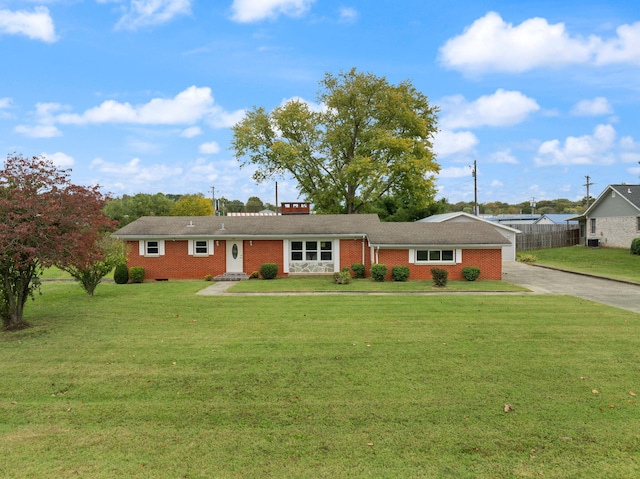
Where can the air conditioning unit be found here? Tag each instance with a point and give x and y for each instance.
(593, 242)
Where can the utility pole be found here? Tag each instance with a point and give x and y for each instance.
(475, 189)
(533, 205)
(587, 184)
(213, 201)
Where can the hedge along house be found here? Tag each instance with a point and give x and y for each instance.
(179, 247)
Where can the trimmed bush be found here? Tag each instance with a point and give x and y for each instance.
(136, 274)
(471, 273)
(440, 276)
(400, 273)
(254, 275)
(358, 270)
(269, 270)
(378, 272)
(208, 277)
(635, 246)
(342, 277)
(121, 274)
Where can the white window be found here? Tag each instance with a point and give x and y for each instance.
(311, 251)
(435, 256)
(151, 247)
(200, 247)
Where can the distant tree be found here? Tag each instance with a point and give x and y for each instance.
(44, 220)
(128, 208)
(89, 272)
(254, 205)
(235, 206)
(192, 205)
(400, 208)
(372, 139)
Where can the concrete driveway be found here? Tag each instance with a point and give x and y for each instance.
(549, 281)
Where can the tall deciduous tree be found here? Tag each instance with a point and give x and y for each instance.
(192, 205)
(44, 220)
(129, 208)
(372, 138)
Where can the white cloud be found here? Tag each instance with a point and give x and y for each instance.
(37, 25)
(348, 14)
(209, 148)
(595, 107)
(247, 11)
(502, 108)
(38, 131)
(60, 159)
(503, 156)
(583, 150)
(143, 13)
(186, 107)
(455, 172)
(447, 142)
(491, 44)
(625, 48)
(497, 184)
(134, 172)
(191, 132)
(5, 103)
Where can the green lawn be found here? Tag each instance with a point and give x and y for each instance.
(325, 283)
(152, 381)
(608, 262)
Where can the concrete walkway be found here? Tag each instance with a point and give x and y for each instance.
(541, 280)
(537, 279)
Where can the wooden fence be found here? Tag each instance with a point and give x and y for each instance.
(546, 236)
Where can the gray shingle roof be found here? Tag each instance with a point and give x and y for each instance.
(379, 234)
(248, 226)
(630, 192)
(436, 234)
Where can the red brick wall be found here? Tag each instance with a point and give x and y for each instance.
(176, 262)
(351, 252)
(263, 251)
(488, 260)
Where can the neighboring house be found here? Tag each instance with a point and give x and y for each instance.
(613, 219)
(557, 219)
(514, 220)
(508, 251)
(178, 247)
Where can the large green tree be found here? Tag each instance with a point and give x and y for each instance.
(192, 205)
(128, 208)
(369, 139)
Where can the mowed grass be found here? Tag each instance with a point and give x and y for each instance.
(152, 381)
(617, 263)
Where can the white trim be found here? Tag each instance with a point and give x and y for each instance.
(412, 256)
(190, 247)
(286, 247)
(143, 245)
(458, 256)
(335, 255)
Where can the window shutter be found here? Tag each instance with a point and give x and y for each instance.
(458, 256)
(190, 247)
(161, 247)
(141, 250)
(210, 248)
(412, 256)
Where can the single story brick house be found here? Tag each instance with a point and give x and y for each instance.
(179, 247)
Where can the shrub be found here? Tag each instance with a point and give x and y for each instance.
(526, 258)
(635, 246)
(400, 273)
(254, 275)
(136, 274)
(342, 277)
(208, 277)
(471, 273)
(378, 272)
(440, 276)
(358, 270)
(121, 274)
(269, 270)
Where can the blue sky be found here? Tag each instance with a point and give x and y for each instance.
(140, 95)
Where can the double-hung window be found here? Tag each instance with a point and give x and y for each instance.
(311, 250)
(152, 248)
(435, 256)
(200, 247)
(592, 222)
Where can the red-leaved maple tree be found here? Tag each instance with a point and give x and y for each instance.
(44, 220)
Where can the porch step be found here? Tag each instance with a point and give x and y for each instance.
(231, 277)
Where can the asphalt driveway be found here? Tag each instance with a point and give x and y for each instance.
(542, 280)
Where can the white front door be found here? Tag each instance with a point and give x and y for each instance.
(234, 256)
